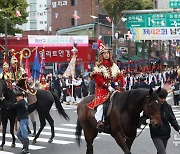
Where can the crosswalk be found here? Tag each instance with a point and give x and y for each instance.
(64, 134)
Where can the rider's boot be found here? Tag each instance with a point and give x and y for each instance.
(100, 126)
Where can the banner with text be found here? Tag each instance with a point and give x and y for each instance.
(165, 33)
(56, 41)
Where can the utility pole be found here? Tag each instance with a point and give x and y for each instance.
(113, 43)
(6, 40)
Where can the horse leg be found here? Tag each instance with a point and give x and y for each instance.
(4, 126)
(42, 125)
(121, 142)
(12, 122)
(16, 127)
(129, 143)
(0, 123)
(90, 134)
(51, 123)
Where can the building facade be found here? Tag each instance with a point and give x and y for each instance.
(39, 18)
(161, 4)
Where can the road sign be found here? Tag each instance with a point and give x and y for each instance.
(153, 20)
(173, 20)
(135, 20)
(174, 4)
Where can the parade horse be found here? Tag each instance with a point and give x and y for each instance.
(7, 113)
(123, 119)
(45, 100)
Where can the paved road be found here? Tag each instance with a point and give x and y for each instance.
(64, 142)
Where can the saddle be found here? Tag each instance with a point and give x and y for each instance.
(107, 107)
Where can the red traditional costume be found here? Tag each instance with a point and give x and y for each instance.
(6, 74)
(43, 84)
(103, 75)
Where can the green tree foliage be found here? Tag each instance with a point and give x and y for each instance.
(115, 7)
(8, 10)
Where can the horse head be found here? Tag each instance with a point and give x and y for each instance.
(3, 87)
(152, 108)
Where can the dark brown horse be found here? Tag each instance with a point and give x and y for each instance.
(123, 119)
(45, 100)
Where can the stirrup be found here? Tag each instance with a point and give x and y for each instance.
(100, 126)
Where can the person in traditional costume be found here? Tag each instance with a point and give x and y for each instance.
(19, 80)
(43, 83)
(105, 72)
(6, 74)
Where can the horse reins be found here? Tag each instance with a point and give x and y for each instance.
(20, 88)
(126, 137)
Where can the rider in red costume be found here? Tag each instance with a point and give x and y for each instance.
(105, 72)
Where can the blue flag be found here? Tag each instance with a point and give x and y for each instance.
(36, 67)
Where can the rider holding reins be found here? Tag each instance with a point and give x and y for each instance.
(105, 72)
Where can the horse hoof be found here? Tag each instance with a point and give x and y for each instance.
(1, 148)
(13, 145)
(34, 141)
(50, 140)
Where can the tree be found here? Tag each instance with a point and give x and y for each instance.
(115, 7)
(9, 9)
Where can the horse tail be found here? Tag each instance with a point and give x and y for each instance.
(59, 107)
(78, 132)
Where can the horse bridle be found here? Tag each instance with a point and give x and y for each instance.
(126, 137)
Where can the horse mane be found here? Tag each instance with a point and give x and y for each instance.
(131, 96)
(8, 93)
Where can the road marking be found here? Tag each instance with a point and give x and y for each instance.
(3, 152)
(168, 98)
(61, 135)
(61, 129)
(177, 112)
(69, 125)
(43, 140)
(19, 145)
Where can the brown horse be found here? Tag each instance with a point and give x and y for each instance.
(123, 120)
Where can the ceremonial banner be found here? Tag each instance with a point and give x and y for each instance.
(70, 71)
(36, 67)
(157, 33)
(56, 41)
(27, 68)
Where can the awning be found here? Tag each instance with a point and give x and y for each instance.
(123, 60)
(132, 57)
(76, 28)
(135, 57)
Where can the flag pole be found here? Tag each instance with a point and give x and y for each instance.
(74, 50)
(34, 78)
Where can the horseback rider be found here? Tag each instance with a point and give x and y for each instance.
(18, 77)
(18, 74)
(105, 72)
(6, 74)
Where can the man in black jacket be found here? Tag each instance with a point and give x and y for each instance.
(160, 136)
(22, 114)
(143, 83)
(176, 92)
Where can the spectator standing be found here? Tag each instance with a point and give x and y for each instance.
(176, 92)
(143, 83)
(91, 86)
